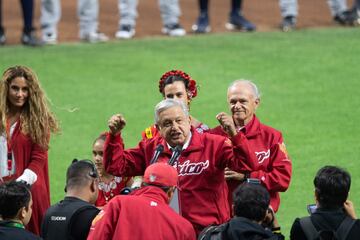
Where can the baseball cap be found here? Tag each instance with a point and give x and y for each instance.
(161, 174)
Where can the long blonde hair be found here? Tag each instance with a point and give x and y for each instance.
(36, 119)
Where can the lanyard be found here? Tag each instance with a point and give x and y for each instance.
(9, 146)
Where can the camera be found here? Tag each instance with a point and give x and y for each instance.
(311, 208)
(253, 181)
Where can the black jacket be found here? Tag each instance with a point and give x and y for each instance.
(325, 219)
(69, 219)
(243, 228)
(12, 233)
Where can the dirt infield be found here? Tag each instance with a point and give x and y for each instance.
(264, 13)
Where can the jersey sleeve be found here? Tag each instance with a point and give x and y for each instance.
(277, 177)
(120, 162)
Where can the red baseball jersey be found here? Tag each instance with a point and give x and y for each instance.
(203, 190)
(143, 215)
(273, 165)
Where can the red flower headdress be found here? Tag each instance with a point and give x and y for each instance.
(191, 83)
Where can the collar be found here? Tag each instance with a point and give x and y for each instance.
(186, 144)
(10, 223)
(252, 128)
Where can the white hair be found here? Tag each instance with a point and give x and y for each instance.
(253, 86)
(169, 103)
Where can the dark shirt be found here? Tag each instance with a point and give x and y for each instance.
(12, 233)
(243, 228)
(325, 219)
(80, 222)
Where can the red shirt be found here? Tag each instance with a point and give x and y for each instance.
(203, 191)
(145, 214)
(110, 190)
(29, 155)
(273, 166)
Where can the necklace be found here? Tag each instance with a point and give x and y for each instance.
(107, 188)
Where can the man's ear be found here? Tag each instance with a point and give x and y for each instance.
(170, 193)
(93, 186)
(316, 195)
(22, 213)
(257, 103)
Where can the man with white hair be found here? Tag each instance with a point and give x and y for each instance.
(200, 160)
(266, 145)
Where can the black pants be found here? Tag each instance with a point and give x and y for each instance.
(235, 6)
(27, 7)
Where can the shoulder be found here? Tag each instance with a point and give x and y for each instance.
(296, 232)
(217, 130)
(270, 130)
(149, 132)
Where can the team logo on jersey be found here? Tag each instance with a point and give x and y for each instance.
(189, 168)
(263, 155)
(282, 147)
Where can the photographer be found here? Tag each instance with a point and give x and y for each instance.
(253, 217)
(335, 215)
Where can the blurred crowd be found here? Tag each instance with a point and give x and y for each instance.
(88, 13)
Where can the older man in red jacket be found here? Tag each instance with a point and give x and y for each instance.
(145, 214)
(200, 160)
(273, 165)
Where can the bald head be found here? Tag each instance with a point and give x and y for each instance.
(249, 85)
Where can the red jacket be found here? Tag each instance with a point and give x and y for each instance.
(274, 165)
(203, 191)
(143, 215)
(30, 155)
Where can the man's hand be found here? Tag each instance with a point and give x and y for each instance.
(230, 174)
(227, 123)
(116, 124)
(349, 209)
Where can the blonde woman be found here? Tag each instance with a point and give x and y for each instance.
(25, 126)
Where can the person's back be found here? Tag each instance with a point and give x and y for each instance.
(243, 228)
(251, 208)
(332, 185)
(71, 218)
(145, 214)
(15, 211)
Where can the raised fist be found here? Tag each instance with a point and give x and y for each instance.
(227, 123)
(116, 124)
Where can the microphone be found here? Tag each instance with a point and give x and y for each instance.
(175, 155)
(159, 149)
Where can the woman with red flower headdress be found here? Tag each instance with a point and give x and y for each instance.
(177, 85)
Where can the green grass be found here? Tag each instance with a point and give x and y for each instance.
(309, 82)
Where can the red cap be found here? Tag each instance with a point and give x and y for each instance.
(161, 174)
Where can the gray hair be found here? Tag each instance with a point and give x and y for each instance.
(169, 103)
(253, 86)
